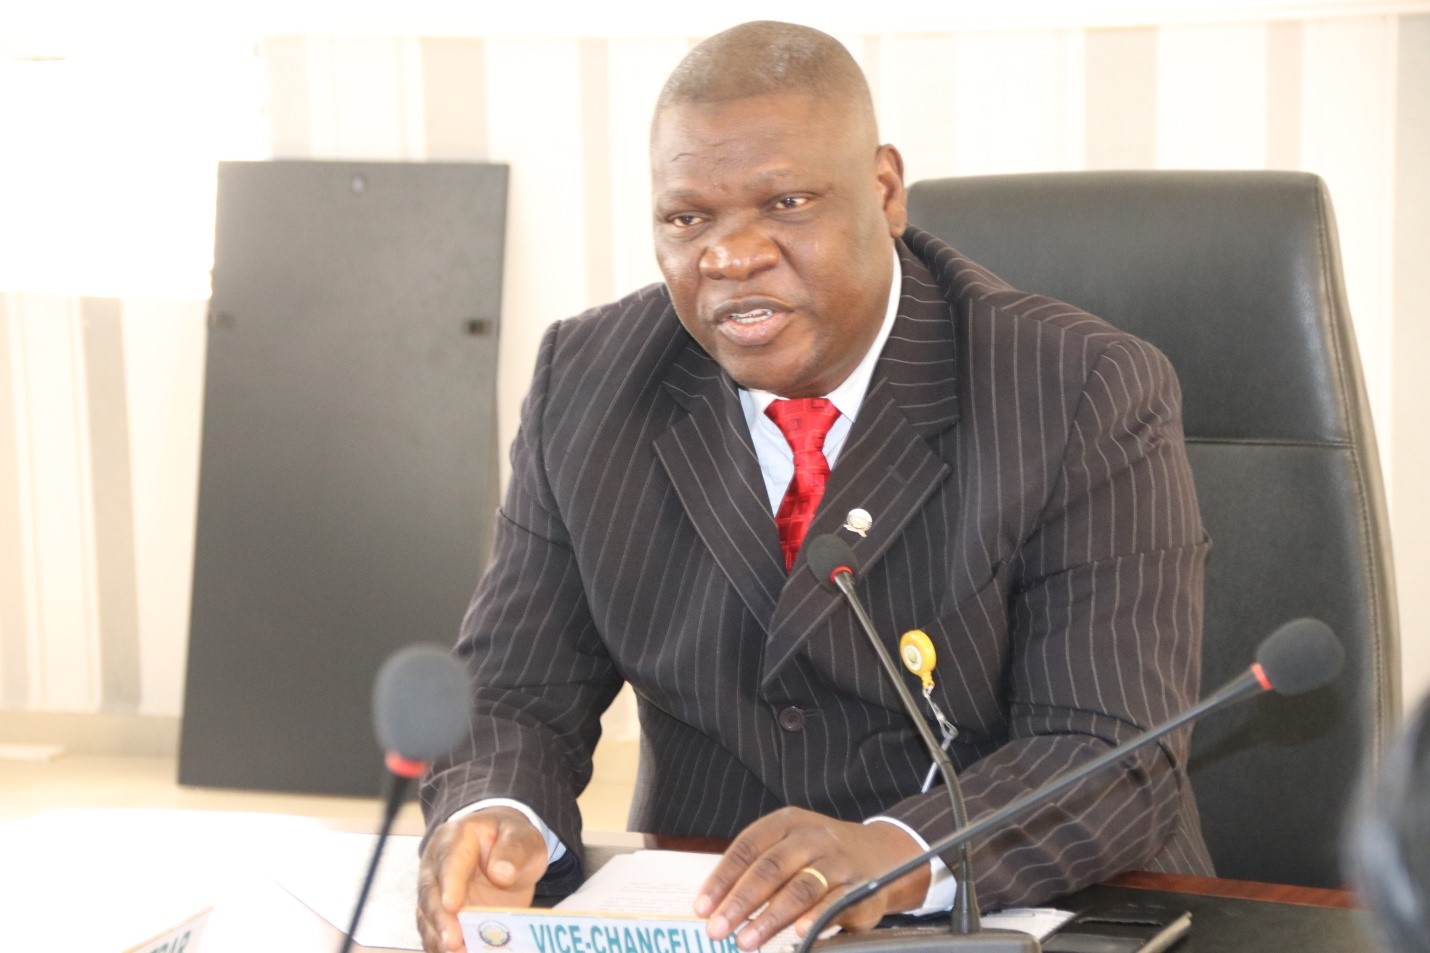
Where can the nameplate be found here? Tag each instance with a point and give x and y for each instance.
(183, 938)
(488, 930)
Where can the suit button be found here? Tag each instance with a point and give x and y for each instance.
(791, 719)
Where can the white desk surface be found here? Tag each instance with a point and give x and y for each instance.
(104, 879)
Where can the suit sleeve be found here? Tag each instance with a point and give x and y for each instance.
(1104, 622)
(540, 673)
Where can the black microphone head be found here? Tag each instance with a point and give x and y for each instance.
(826, 554)
(419, 702)
(1301, 656)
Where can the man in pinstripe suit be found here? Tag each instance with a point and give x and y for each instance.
(1032, 511)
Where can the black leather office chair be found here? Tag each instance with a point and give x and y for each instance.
(1236, 276)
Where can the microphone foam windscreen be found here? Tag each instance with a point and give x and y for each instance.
(419, 702)
(824, 554)
(1300, 656)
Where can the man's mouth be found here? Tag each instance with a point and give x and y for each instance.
(753, 326)
(751, 317)
(752, 320)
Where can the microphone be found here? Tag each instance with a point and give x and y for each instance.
(832, 562)
(419, 712)
(1300, 656)
(419, 707)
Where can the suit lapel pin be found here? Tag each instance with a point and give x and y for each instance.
(858, 521)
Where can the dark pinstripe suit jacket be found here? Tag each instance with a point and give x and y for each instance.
(1033, 513)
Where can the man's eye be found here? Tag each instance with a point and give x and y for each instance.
(684, 220)
(791, 201)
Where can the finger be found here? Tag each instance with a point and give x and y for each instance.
(806, 839)
(517, 856)
(800, 894)
(441, 935)
(760, 881)
(450, 935)
(746, 850)
(438, 925)
(459, 864)
(429, 902)
(864, 915)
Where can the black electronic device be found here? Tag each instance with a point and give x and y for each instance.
(1128, 928)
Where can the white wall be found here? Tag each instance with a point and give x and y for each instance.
(107, 189)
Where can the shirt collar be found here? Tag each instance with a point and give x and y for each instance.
(849, 395)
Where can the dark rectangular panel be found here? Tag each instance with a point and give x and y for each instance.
(348, 476)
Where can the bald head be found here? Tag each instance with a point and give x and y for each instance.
(766, 57)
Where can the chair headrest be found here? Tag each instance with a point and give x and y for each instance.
(1232, 274)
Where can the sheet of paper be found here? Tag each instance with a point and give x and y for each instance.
(644, 881)
(1039, 921)
(324, 869)
(663, 883)
(653, 883)
(144, 873)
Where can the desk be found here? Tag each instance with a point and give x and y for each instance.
(223, 859)
(1228, 916)
(1240, 923)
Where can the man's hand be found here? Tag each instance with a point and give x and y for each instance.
(491, 858)
(798, 862)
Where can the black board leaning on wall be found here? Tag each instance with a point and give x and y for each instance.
(349, 465)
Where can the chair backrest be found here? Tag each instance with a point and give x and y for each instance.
(1236, 276)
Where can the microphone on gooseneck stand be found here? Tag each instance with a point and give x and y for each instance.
(832, 562)
(419, 712)
(1301, 656)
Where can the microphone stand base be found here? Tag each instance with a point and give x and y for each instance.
(925, 940)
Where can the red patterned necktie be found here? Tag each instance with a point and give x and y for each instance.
(805, 422)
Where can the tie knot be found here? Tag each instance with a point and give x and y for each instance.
(805, 421)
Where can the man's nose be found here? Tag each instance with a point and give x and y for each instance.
(738, 254)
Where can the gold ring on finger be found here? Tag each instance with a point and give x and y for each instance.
(823, 880)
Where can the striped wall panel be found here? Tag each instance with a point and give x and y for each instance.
(1408, 295)
(99, 438)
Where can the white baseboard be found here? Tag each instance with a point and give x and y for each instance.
(150, 735)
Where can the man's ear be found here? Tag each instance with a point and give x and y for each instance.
(889, 173)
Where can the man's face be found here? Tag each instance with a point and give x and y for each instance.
(774, 221)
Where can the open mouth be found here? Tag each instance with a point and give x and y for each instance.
(754, 327)
(752, 317)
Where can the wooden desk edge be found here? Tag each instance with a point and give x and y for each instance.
(1237, 889)
(1137, 879)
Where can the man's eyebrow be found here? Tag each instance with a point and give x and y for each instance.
(680, 195)
(759, 182)
(771, 177)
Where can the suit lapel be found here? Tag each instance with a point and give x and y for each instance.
(712, 465)
(889, 465)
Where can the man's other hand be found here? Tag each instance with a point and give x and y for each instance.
(794, 863)
(491, 858)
